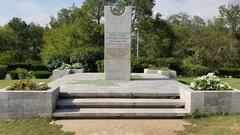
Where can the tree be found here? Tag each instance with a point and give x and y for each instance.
(68, 37)
(231, 16)
(35, 41)
(8, 41)
(63, 16)
(158, 37)
(213, 47)
(140, 8)
(180, 19)
(95, 10)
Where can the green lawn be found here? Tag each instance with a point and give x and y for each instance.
(36, 126)
(5, 83)
(214, 125)
(233, 82)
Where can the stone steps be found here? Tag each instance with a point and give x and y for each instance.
(119, 103)
(116, 94)
(119, 113)
(157, 102)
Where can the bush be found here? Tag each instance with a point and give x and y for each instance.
(28, 84)
(171, 63)
(14, 74)
(3, 71)
(138, 64)
(88, 57)
(100, 65)
(234, 72)
(65, 66)
(209, 82)
(77, 66)
(194, 70)
(19, 74)
(39, 67)
(41, 74)
(15, 66)
(55, 61)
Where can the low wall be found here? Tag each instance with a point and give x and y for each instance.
(211, 101)
(171, 74)
(28, 104)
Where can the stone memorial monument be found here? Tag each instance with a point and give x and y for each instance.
(117, 52)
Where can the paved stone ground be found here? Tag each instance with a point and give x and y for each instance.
(95, 81)
(123, 127)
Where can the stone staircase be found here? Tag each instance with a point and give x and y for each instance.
(120, 104)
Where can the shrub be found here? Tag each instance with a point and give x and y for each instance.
(209, 82)
(41, 74)
(88, 57)
(14, 74)
(3, 71)
(234, 72)
(194, 70)
(39, 67)
(28, 84)
(77, 66)
(138, 64)
(171, 63)
(65, 66)
(55, 61)
(14, 66)
(19, 74)
(100, 65)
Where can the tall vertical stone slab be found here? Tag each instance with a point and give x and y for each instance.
(117, 53)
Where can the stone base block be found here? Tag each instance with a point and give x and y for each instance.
(211, 101)
(27, 104)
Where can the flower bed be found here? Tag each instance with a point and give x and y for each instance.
(27, 103)
(208, 94)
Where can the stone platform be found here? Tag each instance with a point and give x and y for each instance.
(88, 95)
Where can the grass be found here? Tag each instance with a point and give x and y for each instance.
(36, 126)
(233, 82)
(214, 125)
(5, 83)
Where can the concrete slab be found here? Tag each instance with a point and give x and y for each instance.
(95, 83)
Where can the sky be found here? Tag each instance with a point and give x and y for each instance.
(39, 11)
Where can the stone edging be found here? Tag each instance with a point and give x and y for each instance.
(211, 101)
(171, 74)
(28, 104)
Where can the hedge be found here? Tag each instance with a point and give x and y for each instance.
(29, 67)
(3, 71)
(138, 64)
(234, 72)
(39, 67)
(194, 70)
(41, 74)
(14, 66)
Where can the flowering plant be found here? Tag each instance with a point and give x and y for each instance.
(28, 85)
(209, 82)
(65, 66)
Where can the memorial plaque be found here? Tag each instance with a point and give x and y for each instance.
(117, 52)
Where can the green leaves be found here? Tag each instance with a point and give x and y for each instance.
(209, 82)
